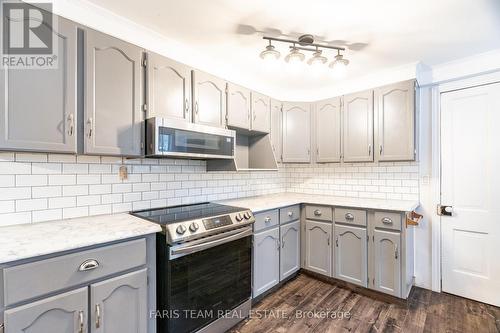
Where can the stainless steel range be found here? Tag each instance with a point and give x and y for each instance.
(204, 264)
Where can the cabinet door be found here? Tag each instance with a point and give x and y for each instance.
(169, 88)
(261, 113)
(39, 105)
(209, 96)
(238, 106)
(119, 305)
(113, 114)
(290, 249)
(296, 132)
(266, 261)
(328, 130)
(319, 247)
(351, 254)
(358, 127)
(64, 313)
(276, 128)
(396, 122)
(387, 262)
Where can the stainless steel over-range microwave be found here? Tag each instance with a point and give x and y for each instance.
(180, 139)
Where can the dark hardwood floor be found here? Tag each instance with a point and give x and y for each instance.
(305, 304)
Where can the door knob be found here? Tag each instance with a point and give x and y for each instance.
(445, 210)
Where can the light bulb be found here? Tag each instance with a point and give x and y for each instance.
(270, 53)
(295, 56)
(339, 65)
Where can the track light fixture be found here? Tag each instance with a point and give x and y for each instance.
(305, 43)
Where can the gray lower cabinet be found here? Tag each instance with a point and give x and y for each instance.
(387, 262)
(168, 88)
(113, 89)
(351, 253)
(290, 249)
(119, 305)
(318, 247)
(64, 313)
(266, 264)
(209, 99)
(39, 105)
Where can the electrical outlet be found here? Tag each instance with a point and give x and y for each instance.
(123, 172)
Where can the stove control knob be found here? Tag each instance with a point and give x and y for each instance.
(247, 215)
(181, 229)
(194, 227)
(239, 217)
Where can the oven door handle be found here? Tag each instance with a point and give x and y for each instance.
(181, 250)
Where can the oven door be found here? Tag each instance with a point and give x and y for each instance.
(207, 278)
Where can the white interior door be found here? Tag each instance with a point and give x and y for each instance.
(470, 183)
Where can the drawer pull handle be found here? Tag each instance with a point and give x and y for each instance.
(349, 216)
(290, 214)
(396, 252)
(88, 265)
(97, 316)
(317, 212)
(386, 220)
(267, 219)
(80, 322)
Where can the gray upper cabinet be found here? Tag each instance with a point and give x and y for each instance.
(119, 304)
(328, 130)
(64, 313)
(387, 262)
(266, 260)
(276, 128)
(209, 99)
(296, 132)
(351, 254)
(261, 113)
(318, 247)
(395, 125)
(290, 249)
(238, 107)
(358, 127)
(39, 106)
(168, 88)
(113, 115)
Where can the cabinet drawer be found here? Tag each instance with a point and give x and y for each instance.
(289, 214)
(388, 220)
(321, 213)
(265, 220)
(38, 278)
(350, 216)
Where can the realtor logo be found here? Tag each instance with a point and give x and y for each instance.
(28, 35)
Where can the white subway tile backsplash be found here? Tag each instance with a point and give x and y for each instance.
(46, 191)
(73, 212)
(62, 202)
(31, 157)
(14, 168)
(31, 180)
(7, 206)
(30, 204)
(75, 168)
(12, 193)
(46, 168)
(62, 158)
(72, 190)
(15, 218)
(7, 180)
(46, 215)
(88, 179)
(62, 179)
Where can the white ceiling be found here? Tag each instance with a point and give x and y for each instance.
(224, 36)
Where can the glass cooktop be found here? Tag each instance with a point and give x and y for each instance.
(176, 214)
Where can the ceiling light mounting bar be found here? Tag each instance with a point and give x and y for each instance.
(309, 44)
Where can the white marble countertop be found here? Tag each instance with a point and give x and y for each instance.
(30, 240)
(271, 201)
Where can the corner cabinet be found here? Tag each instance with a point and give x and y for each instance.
(39, 106)
(238, 107)
(113, 89)
(209, 99)
(395, 122)
(296, 132)
(318, 251)
(168, 88)
(328, 130)
(261, 113)
(358, 127)
(276, 129)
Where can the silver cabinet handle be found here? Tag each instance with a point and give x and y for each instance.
(317, 212)
(97, 316)
(196, 108)
(349, 216)
(396, 254)
(337, 241)
(2, 326)
(370, 149)
(88, 265)
(80, 322)
(267, 219)
(278, 244)
(380, 149)
(282, 242)
(89, 125)
(71, 125)
(290, 214)
(386, 220)
(328, 240)
(186, 109)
